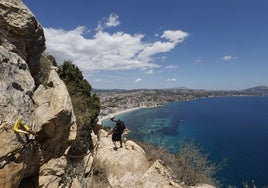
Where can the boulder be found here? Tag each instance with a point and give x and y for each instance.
(54, 119)
(51, 172)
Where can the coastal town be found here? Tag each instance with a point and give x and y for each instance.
(114, 101)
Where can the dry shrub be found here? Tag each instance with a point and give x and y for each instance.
(190, 165)
(72, 171)
(157, 151)
(193, 165)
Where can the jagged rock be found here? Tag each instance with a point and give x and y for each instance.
(50, 173)
(47, 110)
(55, 122)
(123, 157)
(21, 33)
(88, 161)
(158, 176)
(15, 84)
(54, 118)
(76, 183)
(129, 167)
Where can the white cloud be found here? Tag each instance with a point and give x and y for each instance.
(171, 80)
(108, 51)
(177, 36)
(112, 21)
(138, 80)
(98, 80)
(228, 58)
(154, 48)
(151, 49)
(171, 67)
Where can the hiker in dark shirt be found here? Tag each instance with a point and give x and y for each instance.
(117, 132)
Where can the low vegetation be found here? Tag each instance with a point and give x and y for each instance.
(193, 165)
(189, 165)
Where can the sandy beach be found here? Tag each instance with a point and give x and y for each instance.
(119, 112)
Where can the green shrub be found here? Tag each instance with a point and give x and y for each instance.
(86, 106)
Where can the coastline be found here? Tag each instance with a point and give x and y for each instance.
(118, 113)
(102, 118)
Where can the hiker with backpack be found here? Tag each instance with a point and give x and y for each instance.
(117, 132)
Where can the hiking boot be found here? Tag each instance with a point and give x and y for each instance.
(115, 148)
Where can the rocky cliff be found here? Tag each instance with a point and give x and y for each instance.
(128, 166)
(21, 33)
(47, 111)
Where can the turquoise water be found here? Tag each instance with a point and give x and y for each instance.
(228, 127)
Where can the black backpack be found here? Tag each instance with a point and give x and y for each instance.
(120, 126)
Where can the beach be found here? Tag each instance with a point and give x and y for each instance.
(118, 113)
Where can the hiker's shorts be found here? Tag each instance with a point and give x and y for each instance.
(116, 136)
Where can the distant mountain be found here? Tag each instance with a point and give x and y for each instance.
(108, 90)
(258, 89)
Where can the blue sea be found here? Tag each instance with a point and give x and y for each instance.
(235, 128)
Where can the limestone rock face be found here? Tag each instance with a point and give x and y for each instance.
(50, 172)
(21, 33)
(16, 87)
(53, 114)
(128, 166)
(46, 110)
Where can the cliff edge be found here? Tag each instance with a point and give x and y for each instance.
(129, 167)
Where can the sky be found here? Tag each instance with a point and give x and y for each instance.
(154, 44)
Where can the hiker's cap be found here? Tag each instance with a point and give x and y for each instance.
(99, 122)
(112, 117)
